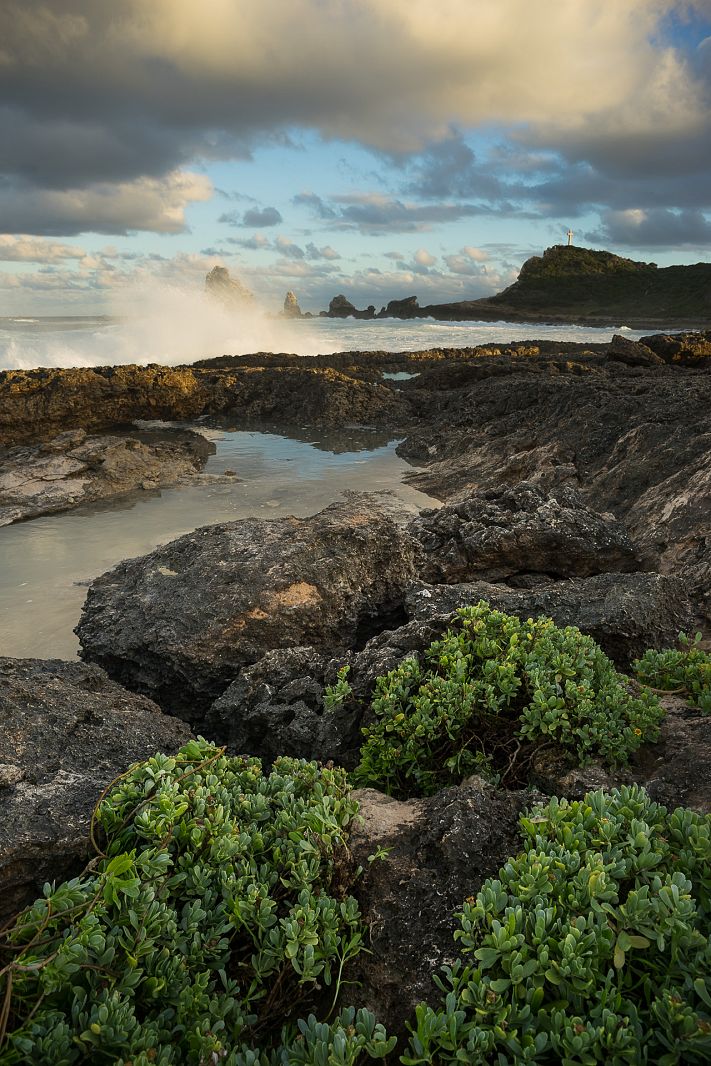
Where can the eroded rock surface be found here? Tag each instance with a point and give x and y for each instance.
(438, 851)
(624, 613)
(181, 622)
(74, 468)
(520, 530)
(66, 731)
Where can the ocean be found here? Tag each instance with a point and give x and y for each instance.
(181, 334)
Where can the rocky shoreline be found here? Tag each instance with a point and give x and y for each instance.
(575, 483)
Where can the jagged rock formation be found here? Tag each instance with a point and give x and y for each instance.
(341, 307)
(67, 732)
(521, 531)
(291, 306)
(228, 290)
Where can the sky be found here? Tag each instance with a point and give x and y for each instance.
(376, 148)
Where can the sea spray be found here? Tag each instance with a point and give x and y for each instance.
(156, 323)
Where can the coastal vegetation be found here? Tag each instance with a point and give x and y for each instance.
(684, 671)
(489, 695)
(591, 946)
(214, 910)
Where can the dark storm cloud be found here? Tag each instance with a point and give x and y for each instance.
(658, 228)
(100, 95)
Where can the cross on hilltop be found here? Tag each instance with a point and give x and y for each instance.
(570, 236)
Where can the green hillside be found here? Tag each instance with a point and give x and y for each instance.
(581, 284)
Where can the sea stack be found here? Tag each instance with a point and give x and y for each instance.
(229, 291)
(291, 306)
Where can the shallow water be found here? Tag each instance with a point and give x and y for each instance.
(45, 564)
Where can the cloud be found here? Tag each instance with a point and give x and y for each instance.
(316, 204)
(469, 261)
(261, 217)
(657, 228)
(100, 94)
(327, 252)
(424, 258)
(26, 249)
(289, 249)
(156, 204)
(375, 213)
(254, 218)
(257, 242)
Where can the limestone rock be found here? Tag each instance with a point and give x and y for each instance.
(632, 353)
(691, 348)
(240, 589)
(502, 532)
(66, 731)
(74, 468)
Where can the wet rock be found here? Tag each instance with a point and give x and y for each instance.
(179, 624)
(74, 468)
(500, 532)
(66, 731)
(624, 613)
(438, 852)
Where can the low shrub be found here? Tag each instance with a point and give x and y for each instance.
(592, 946)
(491, 693)
(215, 912)
(685, 670)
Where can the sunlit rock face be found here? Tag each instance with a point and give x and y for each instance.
(291, 306)
(228, 290)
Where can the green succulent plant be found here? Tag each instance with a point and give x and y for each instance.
(490, 694)
(591, 946)
(213, 914)
(685, 670)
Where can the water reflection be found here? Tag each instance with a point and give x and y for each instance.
(45, 564)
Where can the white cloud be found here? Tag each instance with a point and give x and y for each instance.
(424, 258)
(28, 249)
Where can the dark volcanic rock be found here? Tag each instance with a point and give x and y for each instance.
(688, 349)
(502, 532)
(442, 849)
(632, 353)
(73, 469)
(406, 308)
(180, 623)
(276, 706)
(36, 404)
(66, 731)
(624, 613)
